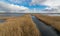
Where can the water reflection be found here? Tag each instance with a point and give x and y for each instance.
(44, 29)
(12, 14)
(2, 20)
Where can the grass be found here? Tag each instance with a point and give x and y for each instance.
(53, 21)
(19, 26)
(3, 17)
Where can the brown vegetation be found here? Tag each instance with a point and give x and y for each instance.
(3, 17)
(50, 20)
(19, 26)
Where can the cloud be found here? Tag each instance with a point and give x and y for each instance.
(47, 2)
(16, 1)
(20, 1)
(12, 8)
(52, 9)
(52, 3)
(34, 2)
(53, 6)
(37, 1)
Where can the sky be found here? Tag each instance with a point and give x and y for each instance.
(30, 6)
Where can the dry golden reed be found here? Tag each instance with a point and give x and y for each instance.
(50, 20)
(19, 26)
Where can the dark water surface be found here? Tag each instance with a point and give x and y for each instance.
(44, 29)
(19, 14)
(11, 14)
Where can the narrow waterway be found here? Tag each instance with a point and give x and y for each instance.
(44, 29)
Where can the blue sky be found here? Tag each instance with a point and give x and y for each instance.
(29, 5)
(25, 3)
